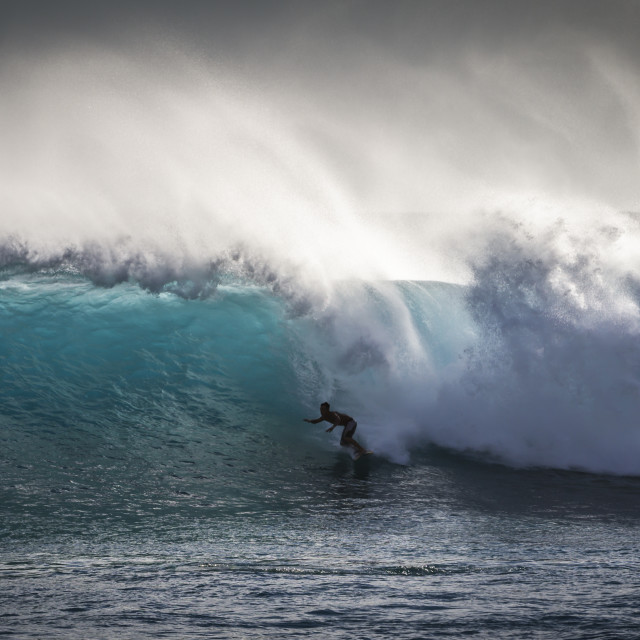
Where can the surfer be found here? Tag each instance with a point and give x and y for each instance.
(343, 420)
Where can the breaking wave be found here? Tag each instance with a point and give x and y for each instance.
(534, 362)
(182, 242)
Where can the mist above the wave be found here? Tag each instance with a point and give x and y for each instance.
(379, 168)
(177, 163)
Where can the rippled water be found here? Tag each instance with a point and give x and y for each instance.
(445, 548)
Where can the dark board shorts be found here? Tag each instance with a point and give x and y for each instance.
(350, 429)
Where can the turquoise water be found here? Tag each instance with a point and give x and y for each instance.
(158, 480)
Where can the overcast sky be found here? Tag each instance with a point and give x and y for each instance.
(408, 27)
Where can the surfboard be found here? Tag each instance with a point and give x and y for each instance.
(358, 456)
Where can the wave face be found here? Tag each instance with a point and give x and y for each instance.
(536, 362)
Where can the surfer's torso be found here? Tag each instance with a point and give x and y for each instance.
(341, 419)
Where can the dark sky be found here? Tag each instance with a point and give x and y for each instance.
(408, 27)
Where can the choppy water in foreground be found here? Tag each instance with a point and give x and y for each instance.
(443, 548)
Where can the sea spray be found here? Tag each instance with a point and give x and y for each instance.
(554, 378)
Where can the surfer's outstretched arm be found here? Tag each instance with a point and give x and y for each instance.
(320, 419)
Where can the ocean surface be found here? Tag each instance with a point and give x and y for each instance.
(158, 480)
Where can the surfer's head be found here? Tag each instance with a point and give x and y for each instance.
(324, 407)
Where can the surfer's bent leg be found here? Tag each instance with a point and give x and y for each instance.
(347, 432)
(347, 436)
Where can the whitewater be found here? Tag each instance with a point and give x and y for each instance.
(190, 264)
